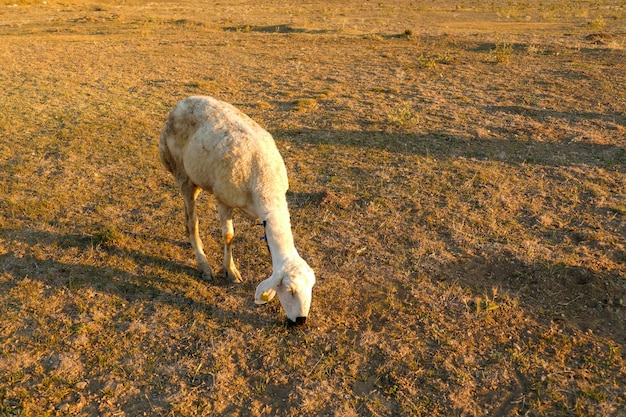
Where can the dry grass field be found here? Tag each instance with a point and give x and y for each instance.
(458, 182)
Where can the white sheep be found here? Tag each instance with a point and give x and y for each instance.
(210, 145)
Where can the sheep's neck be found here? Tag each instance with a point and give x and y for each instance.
(279, 236)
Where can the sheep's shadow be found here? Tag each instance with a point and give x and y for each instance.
(141, 289)
(131, 286)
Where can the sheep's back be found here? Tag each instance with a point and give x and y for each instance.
(226, 152)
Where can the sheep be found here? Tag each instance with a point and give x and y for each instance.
(210, 145)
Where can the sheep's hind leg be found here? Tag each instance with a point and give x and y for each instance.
(190, 193)
(228, 233)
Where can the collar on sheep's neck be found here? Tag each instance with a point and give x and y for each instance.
(264, 237)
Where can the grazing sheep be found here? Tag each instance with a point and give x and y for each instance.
(210, 145)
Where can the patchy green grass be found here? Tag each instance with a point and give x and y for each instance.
(465, 219)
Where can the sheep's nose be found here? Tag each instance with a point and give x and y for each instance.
(299, 322)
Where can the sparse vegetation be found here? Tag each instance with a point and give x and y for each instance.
(465, 221)
(305, 104)
(597, 23)
(432, 62)
(403, 115)
(502, 53)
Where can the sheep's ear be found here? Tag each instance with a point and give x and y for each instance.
(266, 290)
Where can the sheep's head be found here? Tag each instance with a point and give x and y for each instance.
(293, 283)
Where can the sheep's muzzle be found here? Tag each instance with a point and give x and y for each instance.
(300, 321)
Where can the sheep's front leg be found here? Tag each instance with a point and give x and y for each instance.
(190, 193)
(228, 233)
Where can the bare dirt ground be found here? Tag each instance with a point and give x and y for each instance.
(458, 182)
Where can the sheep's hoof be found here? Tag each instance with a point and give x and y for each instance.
(207, 274)
(232, 275)
(235, 277)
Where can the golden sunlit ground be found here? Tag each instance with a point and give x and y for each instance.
(458, 182)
